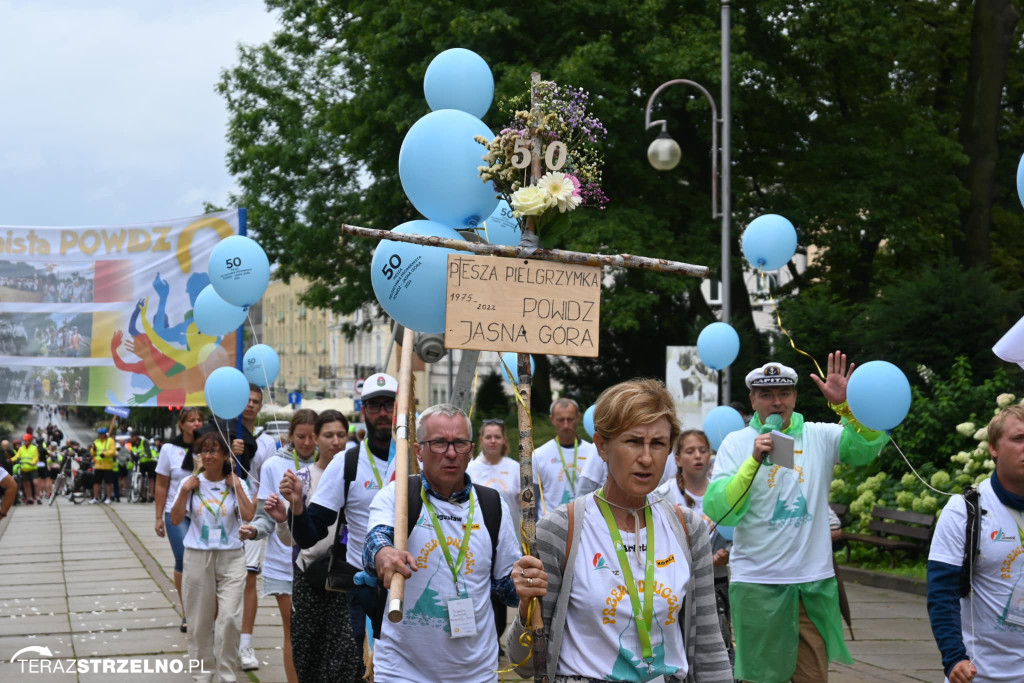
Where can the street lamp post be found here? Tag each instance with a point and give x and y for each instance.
(664, 154)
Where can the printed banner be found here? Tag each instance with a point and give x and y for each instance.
(693, 385)
(103, 315)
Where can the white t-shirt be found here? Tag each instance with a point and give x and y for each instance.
(331, 495)
(601, 639)
(3, 474)
(784, 537)
(503, 478)
(557, 483)
(277, 561)
(214, 515)
(169, 465)
(415, 645)
(266, 448)
(999, 569)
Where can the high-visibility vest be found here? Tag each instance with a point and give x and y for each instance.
(28, 456)
(143, 450)
(105, 451)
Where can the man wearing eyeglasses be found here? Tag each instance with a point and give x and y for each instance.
(374, 469)
(452, 568)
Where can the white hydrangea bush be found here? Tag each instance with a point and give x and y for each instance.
(969, 466)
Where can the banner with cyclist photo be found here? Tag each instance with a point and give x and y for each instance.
(99, 315)
(693, 385)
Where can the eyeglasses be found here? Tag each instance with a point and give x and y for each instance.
(440, 446)
(494, 421)
(211, 451)
(374, 408)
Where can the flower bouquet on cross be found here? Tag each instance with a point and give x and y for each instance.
(570, 164)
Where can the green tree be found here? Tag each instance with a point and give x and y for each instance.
(847, 117)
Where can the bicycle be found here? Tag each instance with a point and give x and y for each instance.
(137, 482)
(66, 481)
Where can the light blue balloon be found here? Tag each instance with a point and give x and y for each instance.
(721, 422)
(501, 227)
(214, 316)
(411, 280)
(1020, 180)
(726, 532)
(459, 79)
(588, 421)
(717, 345)
(438, 167)
(879, 395)
(261, 365)
(239, 270)
(511, 361)
(227, 392)
(769, 242)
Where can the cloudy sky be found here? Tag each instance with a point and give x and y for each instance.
(108, 113)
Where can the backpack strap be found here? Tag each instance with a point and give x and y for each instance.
(490, 506)
(351, 467)
(682, 520)
(415, 502)
(571, 510)
(972, 538)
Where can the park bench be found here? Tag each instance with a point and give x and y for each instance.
(894, 530)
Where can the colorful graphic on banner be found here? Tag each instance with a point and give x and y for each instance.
(103, 315)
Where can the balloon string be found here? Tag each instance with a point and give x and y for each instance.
(778, 318)
(529, 417)
(472, 398)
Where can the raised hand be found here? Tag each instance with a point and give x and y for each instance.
(275, 507)
(161, 287)
(833, 388)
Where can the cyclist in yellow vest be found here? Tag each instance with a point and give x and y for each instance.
(141, 447)
(104, 452)
(27, 459)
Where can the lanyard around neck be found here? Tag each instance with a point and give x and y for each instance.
(645, 619)
(373, 463)
(295, 457)
(575, 452)
(220, 507)
(1019, 521)
(457, 565)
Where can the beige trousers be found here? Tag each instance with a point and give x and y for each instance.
(212, 585)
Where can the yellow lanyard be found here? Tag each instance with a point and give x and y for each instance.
(373, 463)
(575, 452)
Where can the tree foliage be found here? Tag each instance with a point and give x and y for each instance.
(847, 118)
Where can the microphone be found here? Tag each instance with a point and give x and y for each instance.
(771, 423)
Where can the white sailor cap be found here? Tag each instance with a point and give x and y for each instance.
(771, 375)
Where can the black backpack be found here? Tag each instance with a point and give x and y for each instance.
(490, 506)
(972, 539)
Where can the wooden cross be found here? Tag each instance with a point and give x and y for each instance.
(527, 499)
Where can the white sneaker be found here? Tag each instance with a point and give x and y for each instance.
(249, 661)
(93, 501)
(107, 501)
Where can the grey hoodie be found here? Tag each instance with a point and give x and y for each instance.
(264, 523)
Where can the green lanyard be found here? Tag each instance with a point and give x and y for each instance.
(220, 508)
(295, 457)
(373, 465)
(457, 565)
(645, 621)
(575, 452)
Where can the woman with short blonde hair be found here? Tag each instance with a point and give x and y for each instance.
(616, 564)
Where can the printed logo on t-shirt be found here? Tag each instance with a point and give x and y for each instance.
(370, 484)
(599, 562)
(1000, 535)
(431, 607)
(666, 562)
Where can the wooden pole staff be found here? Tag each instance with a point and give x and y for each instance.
(558, 255)
(527, 500)
(405, 399)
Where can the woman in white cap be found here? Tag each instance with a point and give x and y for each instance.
(625, 574)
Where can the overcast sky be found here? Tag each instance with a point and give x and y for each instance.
(108, 113)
